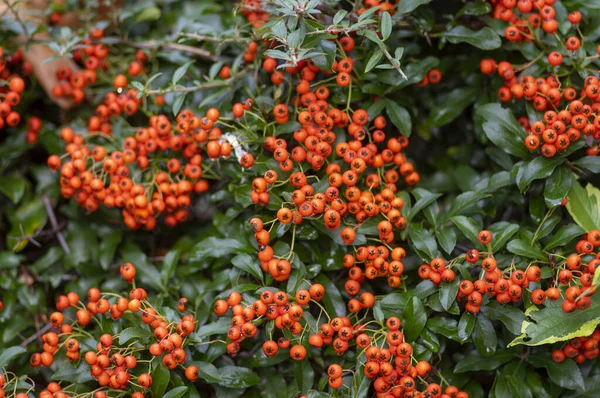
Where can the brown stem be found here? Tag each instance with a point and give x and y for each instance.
(55, 229)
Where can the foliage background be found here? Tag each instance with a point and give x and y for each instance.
(470, 179)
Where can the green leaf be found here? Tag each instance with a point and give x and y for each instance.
(523, 249)
(386, 25)
(178, 103)
(447, 239)
(339, 16)
(476, 362)
(551, 324)
(502, 232)
(24, 221)
(511, 317)
(484, 336)
(207, 371)
(332, 301)
(583, 207)
(564, 235)
(558, 186)
(13, 187)
(424, 199)
(248, 264)
(468, 227)
(415, 318)
(591, 163)
(406, 6)
(476, 8)
(304, 375)
(466, 200)
(454, 104)
(501, 127)
(373, 61)
(536, 169)
(566, 374)
(424, 242)
(214, 247)
(466, 324)
(108, 247)
(177, 392)
(180, 72)
(238, 377)
(399, 117)
(133, 333)
(448, 291)
(485, 39)
(9, 353)
(148, 14)
(160, 380)
(73, 374)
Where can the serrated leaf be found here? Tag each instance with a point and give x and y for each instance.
(551, 324)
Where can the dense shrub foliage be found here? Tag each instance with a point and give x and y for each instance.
(291, 198)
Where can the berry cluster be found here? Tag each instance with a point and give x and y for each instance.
(395, 372)
(558, 130)
(11, 383)
(273, 306)
(12, 85)
(580, 349)
(168, 156)
(112, 364)
(376, 261)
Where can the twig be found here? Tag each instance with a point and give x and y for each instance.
(573, 167)
(220, 40)
(55, 229)
(153, 44)
(36, 335)
(394, 63)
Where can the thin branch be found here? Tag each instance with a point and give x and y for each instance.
(220, 40)
(36, 335)
(153, 44)
(573, 167)
(394, 63)
(219, 83)
(55, 229)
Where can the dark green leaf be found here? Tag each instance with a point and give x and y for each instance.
(248, 264)
(454, 104)
(591, 163)
(399, 117)
(13, 187)
(484, 336)
(407, 6)
(447, 239)
(9, 353)
(332, 301)
(485, 39)
(558, 186)
(133, 333)
(501, 127)
(160, 380)
(565, 374)
(415, 318)
(538, 168)
(448, 291)
(563, 236)
(466, 324)
(475, 362)
(524, 249)
(176, 392)
(468, 227)
(511, 317)
(424, 243)
(237, 377)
